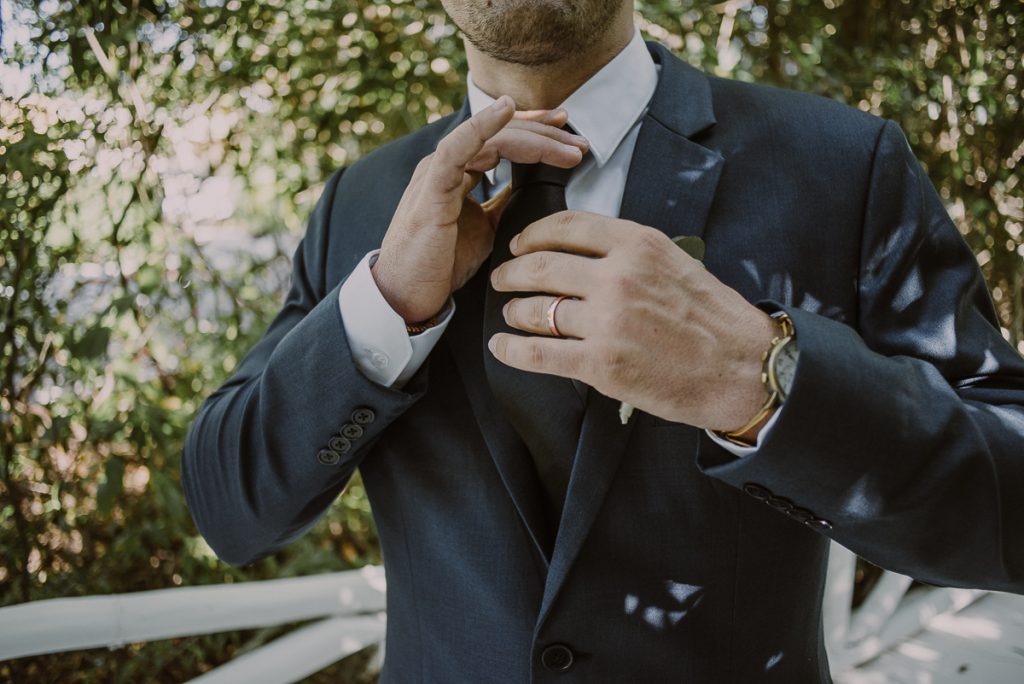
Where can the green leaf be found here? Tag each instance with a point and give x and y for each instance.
(111, 487)
(692, 245)
(148, 278)
(91, 344)
(122, 303)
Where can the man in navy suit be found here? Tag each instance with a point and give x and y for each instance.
(472, 303)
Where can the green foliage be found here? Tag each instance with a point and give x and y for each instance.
(155, 176)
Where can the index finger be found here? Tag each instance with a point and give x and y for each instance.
(459, 147)
(579, 232)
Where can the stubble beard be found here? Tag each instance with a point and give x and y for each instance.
(535, 32)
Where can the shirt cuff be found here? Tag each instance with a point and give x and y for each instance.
(382, 348)
(741, 451)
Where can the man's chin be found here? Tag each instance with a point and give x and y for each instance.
(534, 32)
(534, 53)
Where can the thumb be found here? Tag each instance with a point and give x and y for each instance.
(470, 179)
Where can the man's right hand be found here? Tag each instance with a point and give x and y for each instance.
(439, 236)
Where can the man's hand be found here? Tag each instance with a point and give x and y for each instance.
(439, 236)
(651, 326)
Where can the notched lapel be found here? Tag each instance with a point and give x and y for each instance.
(672, 178)
(671, 181)
(670, 186)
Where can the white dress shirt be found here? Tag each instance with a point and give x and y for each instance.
(606, 110)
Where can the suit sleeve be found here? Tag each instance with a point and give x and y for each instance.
(262, 460)
(903, 437)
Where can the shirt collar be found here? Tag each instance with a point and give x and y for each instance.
(605, 108)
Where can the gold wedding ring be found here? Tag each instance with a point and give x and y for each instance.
(551, 316)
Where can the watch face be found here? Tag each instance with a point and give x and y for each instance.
(785, 366)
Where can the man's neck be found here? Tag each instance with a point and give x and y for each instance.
(546, 86)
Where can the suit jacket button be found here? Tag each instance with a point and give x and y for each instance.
(779, 502)
(756, 491)
(557, 658)
(328, 456)
(352, 431)
(820, 524)
(339, 444)
(363, 416)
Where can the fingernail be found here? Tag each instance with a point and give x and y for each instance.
(491, 345)
(514, 242)
(502, 103)
(573, 149)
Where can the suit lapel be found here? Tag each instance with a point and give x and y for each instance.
(670, 186)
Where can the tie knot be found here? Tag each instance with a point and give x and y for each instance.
(532, 174)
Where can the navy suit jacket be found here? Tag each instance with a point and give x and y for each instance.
(674, 561)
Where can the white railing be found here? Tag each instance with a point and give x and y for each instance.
(350, 606)
(888, 615)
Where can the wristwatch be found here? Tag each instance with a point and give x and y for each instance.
(779, 361)
(778, 368)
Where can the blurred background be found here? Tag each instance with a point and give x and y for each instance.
(158, 161)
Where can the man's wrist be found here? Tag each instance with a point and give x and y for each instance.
(419, 326)
(415, 325)
(772, 396)
(743, 387)
(748, 437)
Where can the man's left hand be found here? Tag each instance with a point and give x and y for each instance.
(650, 325)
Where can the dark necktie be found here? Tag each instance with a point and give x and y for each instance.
(546, 410)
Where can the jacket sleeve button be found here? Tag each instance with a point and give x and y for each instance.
(339, 444)
(779, 502)
(800, 514)
(352, 431)
(820, 524)
(363, 416)
(328, 456)
(756, 491)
